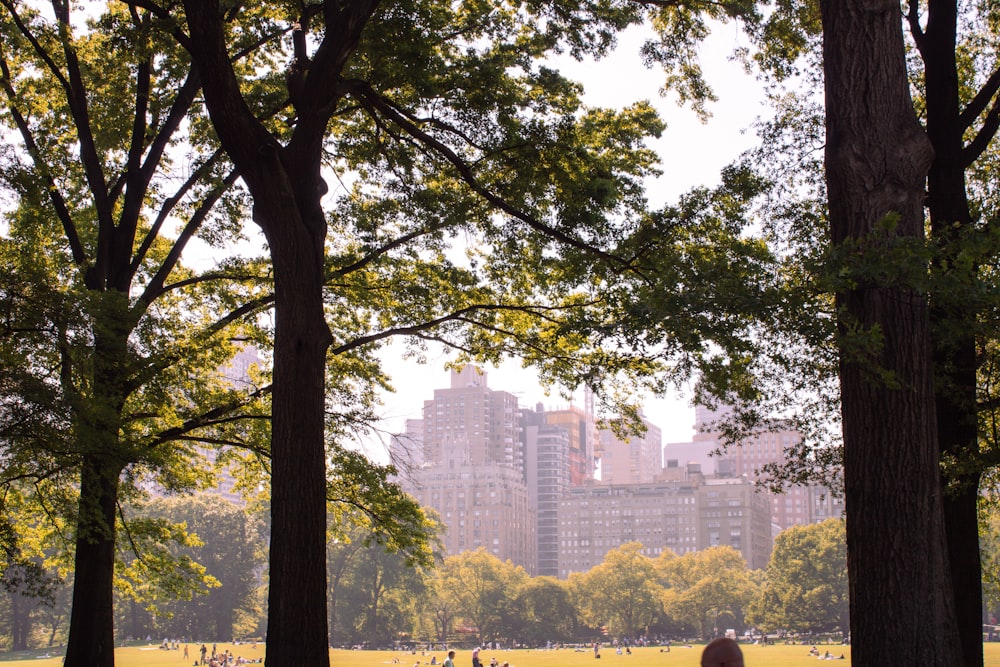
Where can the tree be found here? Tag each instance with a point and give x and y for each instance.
(482, 589)
(989, 549)
(119, 344)
(545, 611)
(382, 586)
(438, 609)
(953, 72)
(511, 157)
(877, 157)
(373, 589)
(962, 110)
(231, 553)
(28, 587)
(621, 593)
(701, 586)
(805, 588)
(341, 556)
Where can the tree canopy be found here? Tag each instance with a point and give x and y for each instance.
(805, 587)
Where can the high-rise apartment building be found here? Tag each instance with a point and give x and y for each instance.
(519, 482)
(794, 506)
(584, 445)
(633, 459)
(483, 506)
(467, 462)
(471, 424)
(548, 476)
(685, 513)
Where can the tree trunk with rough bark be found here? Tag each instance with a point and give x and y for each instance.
(286, 187)
(91, 641)
(877, 158)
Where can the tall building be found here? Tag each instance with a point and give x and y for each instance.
(548, 476)
(484, 506)
(796, 505)
(467, 462)
(733, 511)
(584, 446)
(634, 459)
(470, 424)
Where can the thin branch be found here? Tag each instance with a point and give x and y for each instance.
(982, 140)
(208, 418)
(460, 315)
(155, 288)
(982, 100)
(138, 177)
(377, 103)
(220, 275)
(128, 534)
(381, 250)
(167, 360)
(55, 196)
(168, 205)
(93, 169)
(913, 19)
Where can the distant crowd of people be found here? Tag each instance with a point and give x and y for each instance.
(223, 659)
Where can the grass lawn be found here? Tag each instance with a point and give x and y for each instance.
(679, 656)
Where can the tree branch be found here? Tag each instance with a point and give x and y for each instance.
(92, 166)
(156, 285)
(982, 99)
(376, 103)
(982, 140)
(217, 415)
(381, 250)
(913, 19)
(461, 315)
(55, 196)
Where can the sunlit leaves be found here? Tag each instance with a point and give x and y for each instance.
(805, 587)
(702, 585)
(621, 593)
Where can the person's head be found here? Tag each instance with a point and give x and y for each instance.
(722, 652)
(451, 654)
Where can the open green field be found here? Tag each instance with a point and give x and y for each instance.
(780, 655)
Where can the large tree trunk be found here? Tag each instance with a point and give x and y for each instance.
(296, 629)
(287, 187)
(91, 641)
(954, 323)
(19, 622)
(877, 158)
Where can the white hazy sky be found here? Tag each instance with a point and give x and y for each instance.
(692, 154)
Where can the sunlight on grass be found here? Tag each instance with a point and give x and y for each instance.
(780, 655)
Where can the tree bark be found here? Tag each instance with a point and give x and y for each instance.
(91, 641)
(954, 322)
(19, 622)
(877, 158)
(286, 187)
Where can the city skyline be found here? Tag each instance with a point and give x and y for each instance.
(522, 482)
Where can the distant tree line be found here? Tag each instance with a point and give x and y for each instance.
(196, 570)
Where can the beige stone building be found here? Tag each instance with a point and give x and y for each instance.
(635, 459)
(684, 512)
(795, 506)
(465, 461)
(483, 506)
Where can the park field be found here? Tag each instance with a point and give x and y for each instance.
(780, 655)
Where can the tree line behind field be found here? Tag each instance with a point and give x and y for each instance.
(210, 581)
